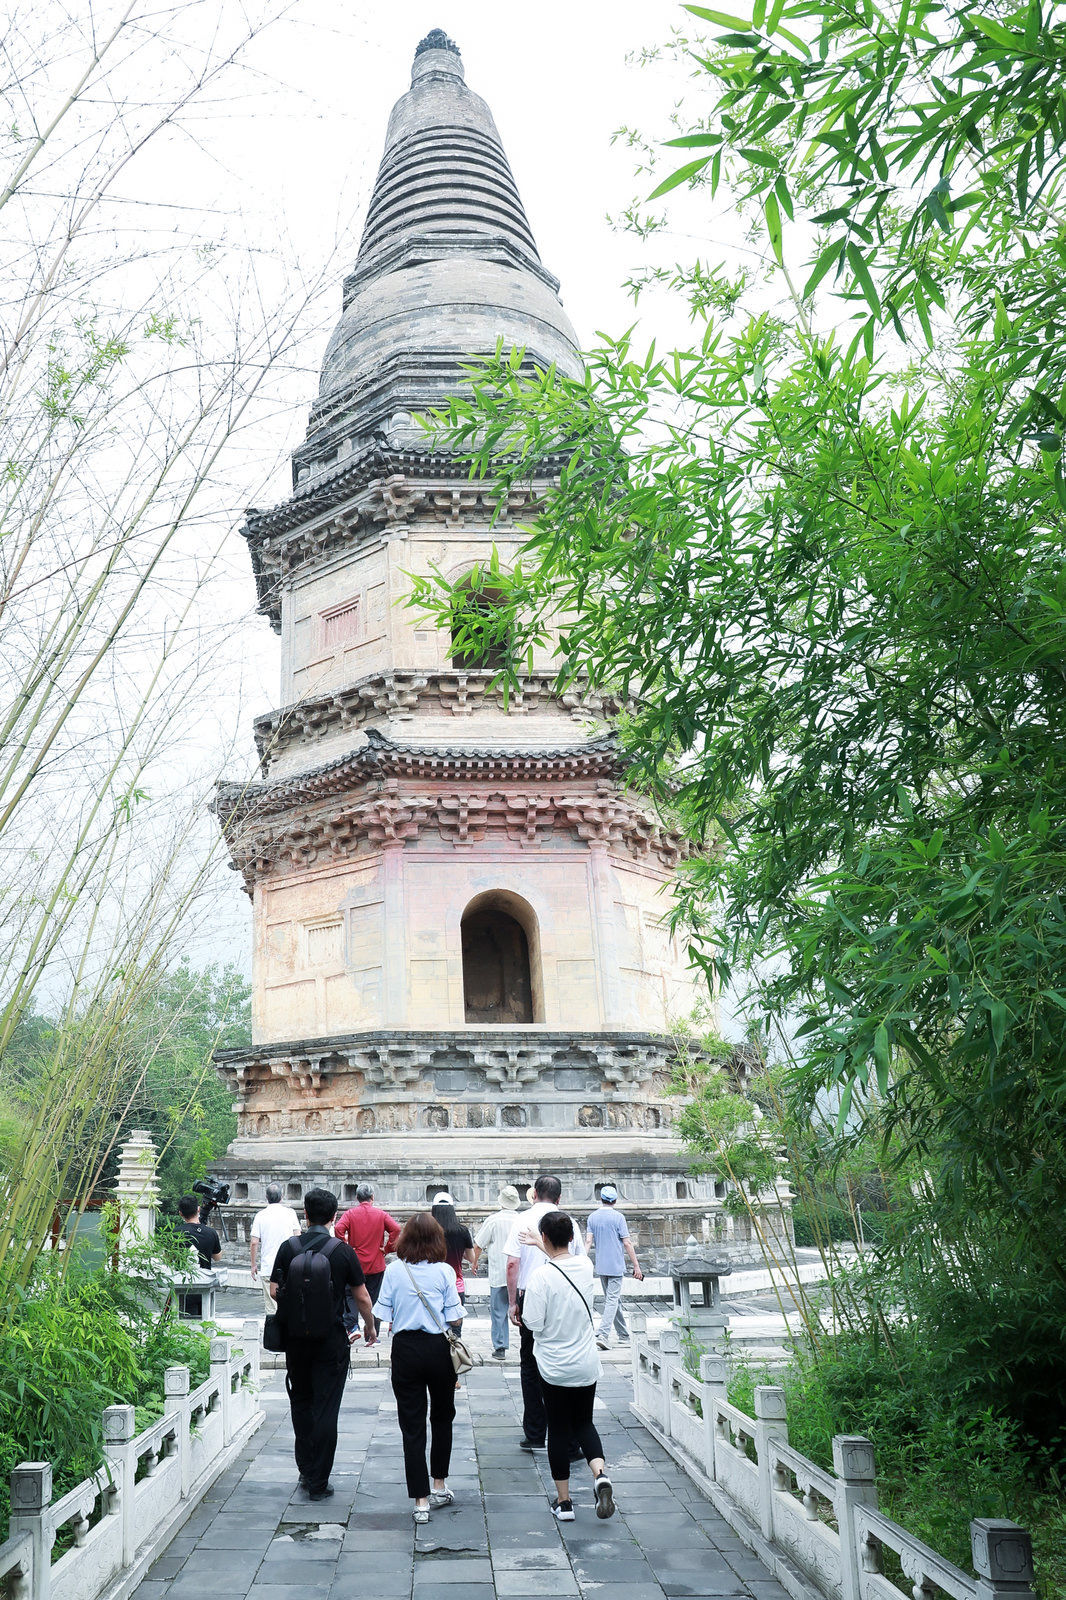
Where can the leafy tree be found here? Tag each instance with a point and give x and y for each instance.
(158, 1075)
(822, 548)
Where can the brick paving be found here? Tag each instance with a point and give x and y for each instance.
(256, 1537)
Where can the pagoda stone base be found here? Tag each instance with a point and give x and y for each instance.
(469, 1111)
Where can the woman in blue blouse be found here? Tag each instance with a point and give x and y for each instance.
(418, 1298)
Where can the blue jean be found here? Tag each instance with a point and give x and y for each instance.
(612, 1309)
(501, 1334)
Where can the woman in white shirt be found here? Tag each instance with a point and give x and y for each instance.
(418, 1298)
(558, 1312)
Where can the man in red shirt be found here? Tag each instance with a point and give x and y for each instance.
(372, 1234)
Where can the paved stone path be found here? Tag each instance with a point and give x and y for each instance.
(254, 1538)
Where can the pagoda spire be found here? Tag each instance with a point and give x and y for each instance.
(447, 267)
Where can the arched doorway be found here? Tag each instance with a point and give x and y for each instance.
(480, 604)
(499, 978)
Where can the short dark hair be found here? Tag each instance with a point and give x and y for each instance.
(189, 1206)
(320, 1206)
(557, 1228)
(421, 1239)
(273, 1193)
(548, 1188)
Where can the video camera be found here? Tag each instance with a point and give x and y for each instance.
(213, 1195)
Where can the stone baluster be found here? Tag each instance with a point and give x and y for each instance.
(770, 1423)
(856, 1473)
(638, 1331)
(31, 1498)
(176, 1388)
(220, 1369)
(1002, 1559)
(119, 1427)
(669, 1352)
(714, 1379)
(250, 1334)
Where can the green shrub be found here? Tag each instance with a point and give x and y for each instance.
(824, 1224)
(70, 1348)
(941, 1459)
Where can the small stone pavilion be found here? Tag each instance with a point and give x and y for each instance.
(463, 972)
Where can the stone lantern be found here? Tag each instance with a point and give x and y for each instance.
(702, 1318)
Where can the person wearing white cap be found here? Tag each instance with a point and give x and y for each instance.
(608, 1235)
(492, 1238)
(459, 1244)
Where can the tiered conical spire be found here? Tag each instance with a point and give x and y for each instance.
(444, 175)
(447, 267)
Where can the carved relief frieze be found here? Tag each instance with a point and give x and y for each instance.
(410, 1115)
(263, 846)
(402, 693)
(417, 1066)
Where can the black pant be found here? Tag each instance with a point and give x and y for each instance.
(534, 1420)
(315, 1370)
(421, 1365)
(569, 1412)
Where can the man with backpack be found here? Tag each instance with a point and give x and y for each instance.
(310, 1281)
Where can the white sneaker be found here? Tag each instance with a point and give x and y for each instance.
(601, 1344)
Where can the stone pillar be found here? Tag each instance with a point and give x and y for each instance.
(120, 1424)
(221, 1350)
(176, 1388)
(31, 1497)
(714, 1378)
(771, 1422)
(856, 1472)
(136, 1190)
(1002, 1559)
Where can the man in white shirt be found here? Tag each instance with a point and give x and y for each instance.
(523, 1258)
(270, 1227)
(492, 1238)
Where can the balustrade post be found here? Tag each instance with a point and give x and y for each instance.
(220, 1370)
(856, 1472)
(770, 1423)
(31, 1498)
(120, 1423)
(176, 1388)
(1002, 1559)
(669, 1346)
(638, 1333)
(714, 1379)
(250, 1344)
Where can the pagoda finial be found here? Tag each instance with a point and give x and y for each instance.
(436, 39)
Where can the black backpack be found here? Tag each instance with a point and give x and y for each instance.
(307, 1300)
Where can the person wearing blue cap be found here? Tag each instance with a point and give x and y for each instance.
(608, 1235)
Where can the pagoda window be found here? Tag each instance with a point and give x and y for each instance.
(500, 980)
(340, 625)
(478, 604)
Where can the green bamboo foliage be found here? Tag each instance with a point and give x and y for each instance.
(128, 377)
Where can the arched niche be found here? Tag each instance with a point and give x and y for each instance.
(477, 599)
(501, 961)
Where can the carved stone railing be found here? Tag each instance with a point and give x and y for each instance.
(820, 1533)
(116, 1522)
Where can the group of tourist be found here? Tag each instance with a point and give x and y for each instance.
(364, 1266)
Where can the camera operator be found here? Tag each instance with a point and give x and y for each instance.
(208, 1247)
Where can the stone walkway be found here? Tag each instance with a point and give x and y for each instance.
(254, 1538)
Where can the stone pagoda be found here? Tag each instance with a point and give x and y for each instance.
(463, 974)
